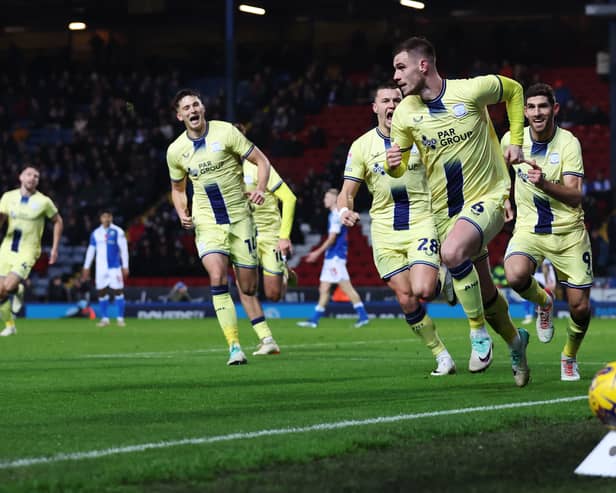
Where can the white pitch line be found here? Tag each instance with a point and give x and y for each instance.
(163, 354)
(94, 454)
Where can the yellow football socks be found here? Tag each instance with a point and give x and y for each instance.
(261, 328)
(225, 313)
(497, 315)
(5, 312)
(575, 336)
(421, 323)
(468, 291)
(535, 293)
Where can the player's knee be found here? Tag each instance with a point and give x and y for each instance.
(249, 290)
(425, 291)
(517, 279)
(452, 255)
(404, 296)
(580, 309)
(273, 294)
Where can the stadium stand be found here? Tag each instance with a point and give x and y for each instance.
(96, 133)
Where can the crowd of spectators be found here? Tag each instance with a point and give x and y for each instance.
(99, 137)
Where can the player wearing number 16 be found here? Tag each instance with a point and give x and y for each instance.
(468, 179)
(26, 209)
(550, 223)
(210, 154)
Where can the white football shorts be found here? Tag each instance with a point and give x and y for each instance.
(109, 278)
(334, 270)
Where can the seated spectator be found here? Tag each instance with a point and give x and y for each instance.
(57, 291)
(179, 292)
(600, 183)
(316, 137)
(562, 93)
(600, 251)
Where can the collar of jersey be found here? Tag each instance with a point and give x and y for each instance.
(207, 129)
(530, 134)
(440, 94)
(381, 134)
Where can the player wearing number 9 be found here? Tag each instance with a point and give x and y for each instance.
(26, 209)
(550, 223)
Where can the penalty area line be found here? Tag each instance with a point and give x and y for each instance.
(95, 454)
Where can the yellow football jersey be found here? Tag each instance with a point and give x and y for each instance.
(26, 221)
(396, 202)
(536, 211)
(213, 164)
(266, 215)
(456, 142)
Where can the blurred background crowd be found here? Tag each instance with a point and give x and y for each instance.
(94, 117)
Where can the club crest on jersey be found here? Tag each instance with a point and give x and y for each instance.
(554, 158)
(215, 147)
(459, 110)
(378, 169)
(431, 143)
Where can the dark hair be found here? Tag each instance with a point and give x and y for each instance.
(182, 93)
(386, 84)
(419, 45)
(105, 210)
(540, 89)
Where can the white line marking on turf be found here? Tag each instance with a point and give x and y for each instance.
(163, 354)
(94, 454)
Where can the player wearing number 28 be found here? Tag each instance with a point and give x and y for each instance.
(405, 243)
(468, 179)
(210, 154)
(550, 223)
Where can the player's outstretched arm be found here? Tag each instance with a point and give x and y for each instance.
(58, 227)
(257, 157)
(315, 254)
(288, 201)
(180, 202)
(123, 244)
(345, 202)
(513, 96)
(570, 192)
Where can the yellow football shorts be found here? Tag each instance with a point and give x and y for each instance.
(570, 254)
(238, 241)
(395, 251)
(487, 215)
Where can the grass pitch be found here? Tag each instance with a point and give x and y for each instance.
(152, 407)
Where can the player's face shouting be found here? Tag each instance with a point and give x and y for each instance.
(385, 102)
(407, 73)
(192, 112)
